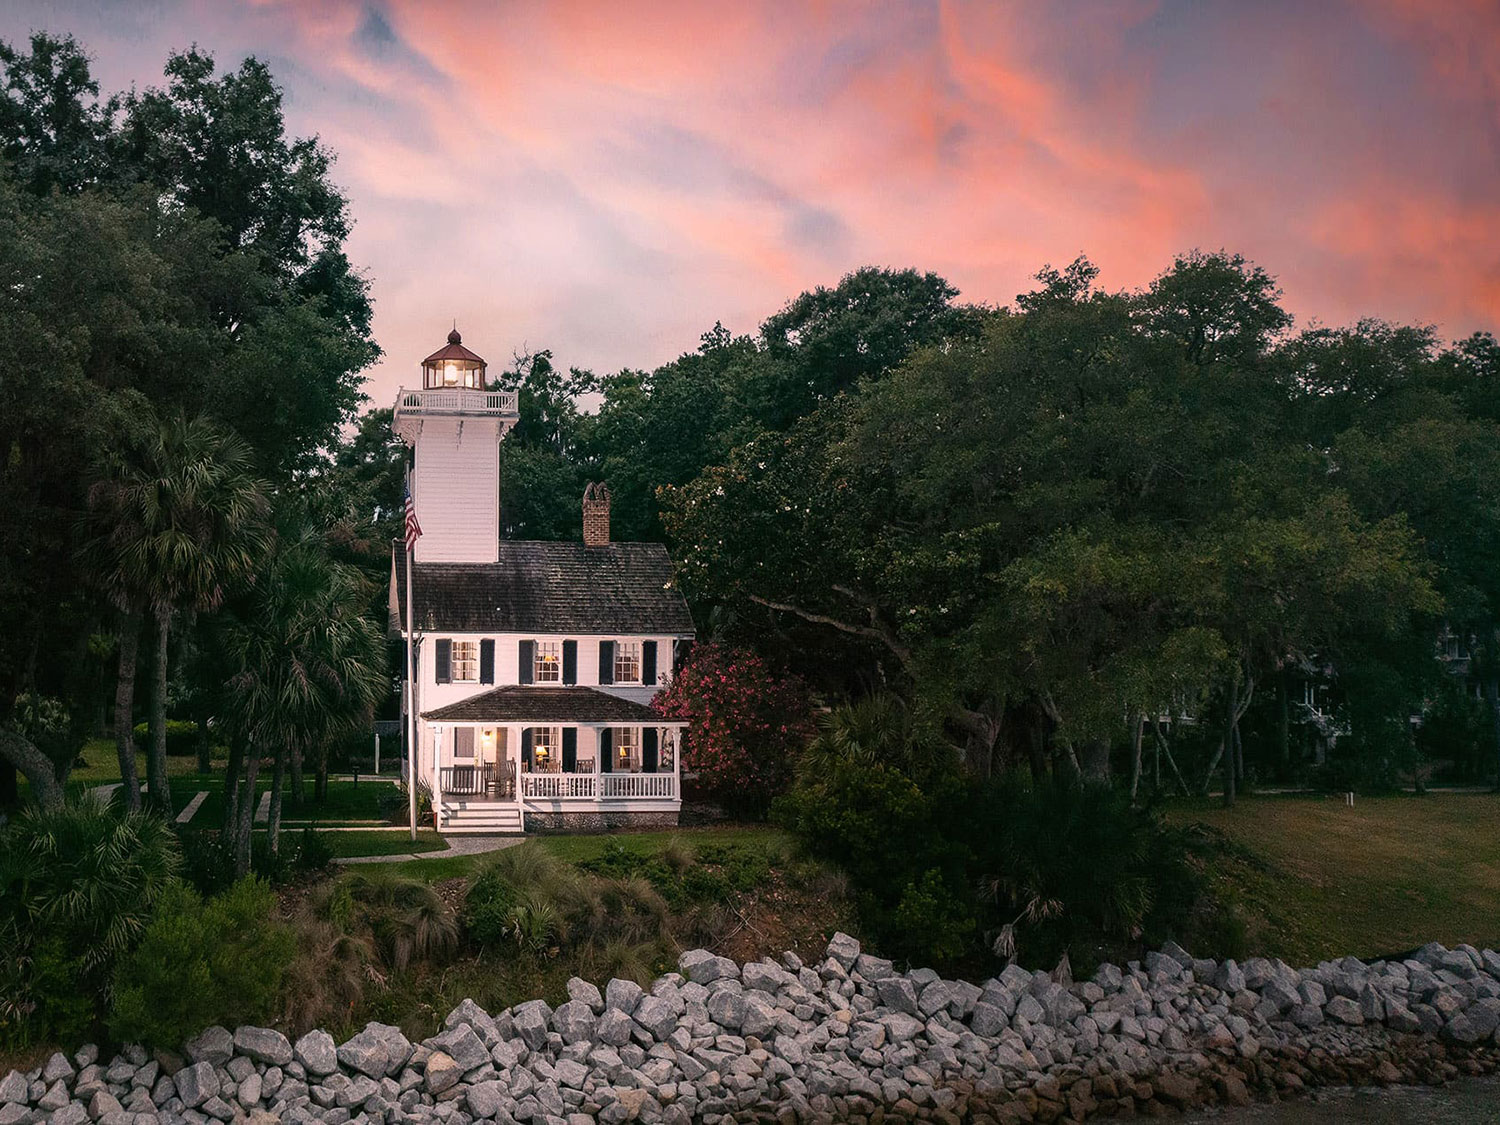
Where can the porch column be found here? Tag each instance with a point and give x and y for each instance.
(598, 763)
(437, 776)
(513, 750)
(676, 762)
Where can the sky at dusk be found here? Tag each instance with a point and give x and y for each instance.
(608, 180)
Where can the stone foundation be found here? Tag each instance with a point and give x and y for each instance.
(601, 821)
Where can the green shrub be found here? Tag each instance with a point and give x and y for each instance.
(489, 908)
(685, 876)
(947, 869)
(200, 963)
(930, 909)
(78, 886)
(314, 851)
(1067, 865)
(208, 859)
(182, 737)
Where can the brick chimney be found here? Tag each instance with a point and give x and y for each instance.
(596, 514)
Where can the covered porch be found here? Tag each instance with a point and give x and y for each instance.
(550, 752)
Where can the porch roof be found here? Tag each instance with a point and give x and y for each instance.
(523, 703)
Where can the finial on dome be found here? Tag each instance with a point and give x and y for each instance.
(454, 337)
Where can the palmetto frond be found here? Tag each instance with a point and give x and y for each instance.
(175, 517)
(309, 663)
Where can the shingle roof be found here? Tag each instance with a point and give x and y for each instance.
(521, 703)
(548, 587)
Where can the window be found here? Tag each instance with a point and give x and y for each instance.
(548, 662)
(627, 662)
(627, 750)
(466, 662)
(544, 750)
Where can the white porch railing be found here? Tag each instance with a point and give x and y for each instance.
(559, 786)
(456, 400)
(638, 785)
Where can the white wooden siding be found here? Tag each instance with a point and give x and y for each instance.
(456, 488)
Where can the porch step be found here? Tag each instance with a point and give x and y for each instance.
(486, 818)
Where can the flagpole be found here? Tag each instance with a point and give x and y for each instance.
(411, 683)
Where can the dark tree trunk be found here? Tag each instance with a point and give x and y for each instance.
(232, 786)
(1137, 728)
(10, 788)
(1493, 691)
(278, 774)
(246, 813)
(130, 641)
(156, 759)
(1227, 747)
(205, 746)
(297, 791)
(1094, 766)
(320, 787)
(1283, 726)
(1036, 750)
(39, 769)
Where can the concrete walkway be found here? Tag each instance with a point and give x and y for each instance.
(457, 845)
(263, 810)
(192, 807)
(104, 794)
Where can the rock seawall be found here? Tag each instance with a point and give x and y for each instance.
(850, 1038)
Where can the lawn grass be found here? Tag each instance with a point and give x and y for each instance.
(1382, 877)
(578, 849)
(392, 842)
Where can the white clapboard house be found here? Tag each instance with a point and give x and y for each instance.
(535, 662)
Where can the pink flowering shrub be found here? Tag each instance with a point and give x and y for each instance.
(746, 724)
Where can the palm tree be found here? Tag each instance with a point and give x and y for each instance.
(308, 665)
(176, 518)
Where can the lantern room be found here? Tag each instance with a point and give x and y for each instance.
(453, 366)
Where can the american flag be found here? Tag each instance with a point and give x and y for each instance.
(413, 528)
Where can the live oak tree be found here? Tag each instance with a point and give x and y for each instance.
(172, 245)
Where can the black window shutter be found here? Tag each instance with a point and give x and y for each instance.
(526, 749)
(570, 662)
(648, 662)
(570, 749)
(527, 662)
(606, 662)
(487, 661)
(680, 649)
(648, 750)
(444, 666)
(606, 749)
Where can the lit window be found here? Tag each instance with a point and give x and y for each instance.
(627, 750)
(466, 661)
(548, 662)
(544, 749)
(627, 662)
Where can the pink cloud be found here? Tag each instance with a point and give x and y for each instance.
(609, 181)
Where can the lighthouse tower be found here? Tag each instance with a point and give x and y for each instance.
(454, 424)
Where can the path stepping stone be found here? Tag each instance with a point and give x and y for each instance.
(192, 806)
(104, 794)
(263, 810)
